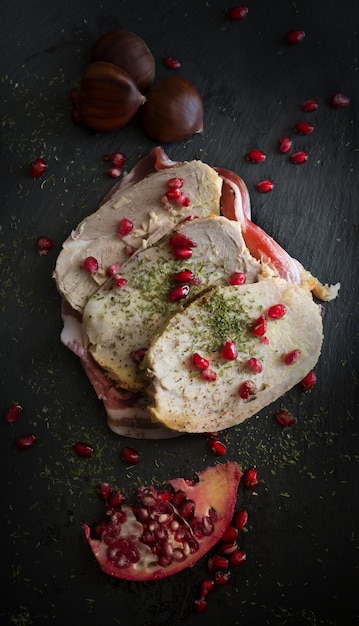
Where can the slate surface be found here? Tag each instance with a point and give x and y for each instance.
(302, 539)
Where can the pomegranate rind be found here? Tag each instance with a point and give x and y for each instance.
(215, 488)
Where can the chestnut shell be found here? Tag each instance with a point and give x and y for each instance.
(107, 97)
(128, 51)
(173, 110)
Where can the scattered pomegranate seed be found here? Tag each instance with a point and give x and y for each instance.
(246, 389)
(124, 228)
(186, 276)
(254, 365)
(83, 449)
(256, 156)
(130, 456)
(183, 200)
(37, 168)
(200, 605)
(230, 535)
(238, 278)
(114, 172)
(117, 159)
(308, 106)
(182, 253)
(237, 13)
(292, 357)
(199, 362)
(90, 265)
(240, 518)
(138, 355)
(218, 448)
(276, 311)
(178, 293)
(222, 578)
(237, 558)
(309, 381)
(217, 563)
(207, 585)
(264, 186)
(294, 36)
(338, 101)
(259, 326)
(104, 490)
(113, 269)
(26, 441)
(229, 351)
(116, 499)
(119, 281)
(129, 251)
(284, 417)
(209, 375)
(179, 240)
(12, 413)
(251, 478)
(304, 128)
(171, 63)
(285, 145)
(299, 157)
(44, 244)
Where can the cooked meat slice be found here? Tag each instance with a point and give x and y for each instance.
(183, 400)
(118, 323)
(142, 204)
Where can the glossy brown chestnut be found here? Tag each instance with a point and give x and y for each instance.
(128, 51)
(173, 110)
(107, 97)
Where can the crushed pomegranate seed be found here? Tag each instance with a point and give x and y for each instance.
(259, 326)
(251, 478)
(124, 228)
(113, 269)
(83, 449)
(238, 278)
(209, 375)
(294, 36)
(256, 156)
(308, 106)
(284, 418)
(218, 448)
(308, 381)
(229, 351)
(171, 63)
(292, 357)
(199, 362)
(114, 172)
(240, 518)
(178, 293)
(254, 365)
(237, 13)
(26, 441)
(304, 128)
(138, 355)
(12, 413)
(277, 311)
(285, 145)
(130, 456)
(246, 389)
(264, 186)
(44, 244)
(90, 265)
(299, 157)
(38, 167)
(338, 101)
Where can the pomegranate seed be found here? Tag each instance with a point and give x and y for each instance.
(117, 159)
(114, 172)
(171, 63)
(251, 478)
(186, 276)
(222, 578)
(285, 145)
(246, 389)
(254, 365)
(90, 265)
(183, 200)
(104, 490)
(37, 168)
(259, 326)
(119, 281)
(200, 605)
(218, 448)
(299, 157)
(12, 413)
(182, 253)
(230, 535)
(138, 355)
(179, 240)
(292, 357)
(124, 228)
(217, 563)
(276, 311)
(44, 244)
(129, 251)
(294, 36)
(83, 449)
(207, 585)
(338, 101)
(240, 518)
(175, 182)
(116, 499)
(173, 194)
(304, 128)
(209, 375)
(308, 106)
(199, 362)
(178, 293)
(130, 456)
(237, 13)
(229, 351)
(238, 278)
(264, 186)
(284, 417)
(26, 441)
(237, 558)
(308, 381)
(256, 156)
(112, 270)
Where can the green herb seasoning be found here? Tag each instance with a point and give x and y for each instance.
(226, 319)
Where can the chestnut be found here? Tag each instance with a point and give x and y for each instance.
(173, 110)
(128, 51)
(107, 97)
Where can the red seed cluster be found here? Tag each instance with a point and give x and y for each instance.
(117, 160)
